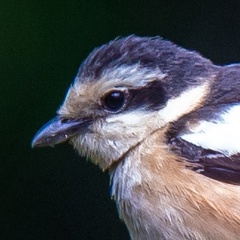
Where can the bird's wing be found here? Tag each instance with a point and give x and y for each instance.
(210, 137)
(213, 144)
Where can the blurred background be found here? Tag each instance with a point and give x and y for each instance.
(52, 193)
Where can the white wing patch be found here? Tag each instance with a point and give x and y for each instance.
(222, 134)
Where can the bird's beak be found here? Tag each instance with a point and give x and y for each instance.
(59, 130)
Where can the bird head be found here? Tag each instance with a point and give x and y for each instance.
(125, 91)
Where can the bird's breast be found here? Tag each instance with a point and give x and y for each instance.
(158, 198)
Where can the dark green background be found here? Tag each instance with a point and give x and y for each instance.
(52, 193)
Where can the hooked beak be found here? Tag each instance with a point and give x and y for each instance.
(59, 130)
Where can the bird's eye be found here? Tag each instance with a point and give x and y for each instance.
(114, 101)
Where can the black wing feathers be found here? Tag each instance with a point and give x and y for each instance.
(208, 162)
(225, 93)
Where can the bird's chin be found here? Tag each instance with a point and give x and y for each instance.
(105, 154)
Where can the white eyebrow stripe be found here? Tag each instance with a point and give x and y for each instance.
(133, 75)
(221, 134)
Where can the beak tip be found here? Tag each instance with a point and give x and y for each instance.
(35, 142)
(33, 145)
(57, 131)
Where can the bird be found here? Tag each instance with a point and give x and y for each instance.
(164, 122)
